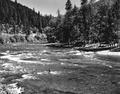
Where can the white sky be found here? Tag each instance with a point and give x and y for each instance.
(48, 6)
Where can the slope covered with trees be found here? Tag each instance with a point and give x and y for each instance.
(18, 22)
(92, 22)
(14, 13)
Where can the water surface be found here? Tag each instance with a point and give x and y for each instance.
(38, 69)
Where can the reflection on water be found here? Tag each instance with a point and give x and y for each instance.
(41, 64)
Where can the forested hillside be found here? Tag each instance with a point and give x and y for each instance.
(18, 22)
(16, 14)
(94, 21)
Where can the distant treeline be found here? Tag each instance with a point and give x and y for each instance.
(91, 22)
(14, 13)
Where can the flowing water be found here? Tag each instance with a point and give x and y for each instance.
(38, 69)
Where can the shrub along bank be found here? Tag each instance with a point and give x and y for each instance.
(14, 38)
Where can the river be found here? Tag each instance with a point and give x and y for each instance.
(38, 69)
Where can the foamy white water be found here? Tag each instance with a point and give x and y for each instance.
(47, 60)
(28, 76)
(50, 72)
(13, 89)
(18, 58)
(76, 52)
(108, 53)
(51, 64)
(12, 68)
(68, 64)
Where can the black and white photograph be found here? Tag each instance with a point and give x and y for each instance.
(59, 46)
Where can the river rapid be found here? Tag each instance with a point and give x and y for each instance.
(38, 69)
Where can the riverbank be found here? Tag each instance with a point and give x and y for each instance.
(22, 38)
(88, 47)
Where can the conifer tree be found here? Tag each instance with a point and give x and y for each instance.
(68, 5)
(75, 10)
(58, 18)
(67, 23)
(111, 27)
(116, 13)
(83, 2)
(39, 23)
(58, 13)
(82, 21)
(101, 24)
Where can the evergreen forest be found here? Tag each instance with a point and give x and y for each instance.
(90, 22)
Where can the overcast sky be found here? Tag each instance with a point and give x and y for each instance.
(48, 6)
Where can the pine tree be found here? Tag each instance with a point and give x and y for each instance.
(58, 26)
(83, 21)
(33, 17)
(111, 27)
(58, 18)
(39, 23)
(16, 14)
(101, 24)
(58, 13)
(68, 5)
(75, 10)
(4, 10)
(25, 18)
(116, 11)
(67, 23)
(75, 32)
(83, 2)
